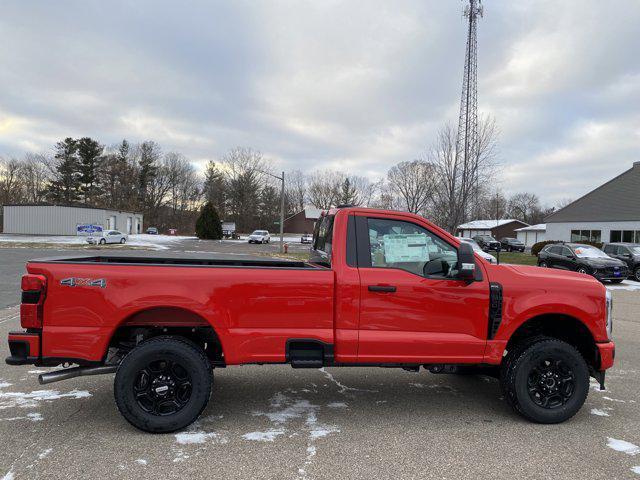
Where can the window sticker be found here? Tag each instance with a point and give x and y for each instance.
(405, 248)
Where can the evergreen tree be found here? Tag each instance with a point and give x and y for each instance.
(214, 187)
(89, 154)
(208, 225)
(65, 186)
(149, 153)
(348, 193)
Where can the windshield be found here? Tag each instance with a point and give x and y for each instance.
(635, 250)
(259, 232)
(589, 252)
(487, 238)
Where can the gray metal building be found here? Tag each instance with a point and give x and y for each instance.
(57, 220)
(610, 213)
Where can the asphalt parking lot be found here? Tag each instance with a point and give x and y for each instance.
(276, 422)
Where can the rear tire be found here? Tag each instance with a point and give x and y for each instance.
(545, 380)
(163, 384)
(122, 241)
(543, 265)
(582, 270)
(102, 241)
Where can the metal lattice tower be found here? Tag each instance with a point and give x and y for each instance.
(467, 138)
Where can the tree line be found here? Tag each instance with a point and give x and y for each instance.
(169, 191)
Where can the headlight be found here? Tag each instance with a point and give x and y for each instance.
(609, 313)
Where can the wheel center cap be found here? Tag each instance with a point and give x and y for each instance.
(162, 390)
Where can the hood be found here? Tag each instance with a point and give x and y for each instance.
(603, 262)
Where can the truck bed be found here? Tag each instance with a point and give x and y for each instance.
(180, 262)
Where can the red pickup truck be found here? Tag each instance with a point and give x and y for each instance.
(382, 288)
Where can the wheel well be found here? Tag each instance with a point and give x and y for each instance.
(562, 327)
(157, 321)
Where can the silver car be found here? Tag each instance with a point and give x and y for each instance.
(108, 236)
(259, 236)
(476, 248)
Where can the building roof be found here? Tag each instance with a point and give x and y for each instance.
(540, 227)
(74, 205)
(486, 224)
(616, 200)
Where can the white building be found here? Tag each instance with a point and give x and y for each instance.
(533, 234)
(58, 220)
(496, 228)
(610, 213)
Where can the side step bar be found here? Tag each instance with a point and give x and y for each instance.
(68, 373)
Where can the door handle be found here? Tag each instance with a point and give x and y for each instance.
(382, 288)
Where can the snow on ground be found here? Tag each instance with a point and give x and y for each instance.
(626, 285)
(158, 242)
(623, 446)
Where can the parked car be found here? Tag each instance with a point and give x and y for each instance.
(108, 236)
(152, 231)
(511, 244)
(423, 300)
(306, 238)
(629, 253)
(583, 259)
(476, 248)
(487, 242)
(259, 236)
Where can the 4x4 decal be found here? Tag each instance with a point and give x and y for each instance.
(83, 282)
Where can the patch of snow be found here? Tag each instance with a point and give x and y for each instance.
(4, 384)
(45, 453)
(598, 412)
(37, 371)
(34, 417)
(320, 432)
(623, 446)
(343, 388)
(337, 405)
(31, 400)
(9, 475)
(268, 436)
(629, 285)
(187, 438)
(614, 400)
(636, 469)
(141, 461)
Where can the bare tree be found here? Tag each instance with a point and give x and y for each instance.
(525, 207)
(413, 182)
(459, 184)
(10, 185)
(324, 188)
(34, 177)
(295, 191)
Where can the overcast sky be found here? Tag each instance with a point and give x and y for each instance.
(353, 85)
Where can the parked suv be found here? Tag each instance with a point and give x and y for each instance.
(583, 259)
(259, 236)
(487, 242)
(511, 244)
(629, 253)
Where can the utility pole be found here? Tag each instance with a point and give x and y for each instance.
(467, 138)
(281, 178)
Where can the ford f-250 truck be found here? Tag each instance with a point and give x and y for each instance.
(382, 288)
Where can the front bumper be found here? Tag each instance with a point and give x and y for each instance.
(621, 274)
(606, 354)
(24, 348)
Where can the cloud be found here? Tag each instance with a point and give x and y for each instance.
(352, 85)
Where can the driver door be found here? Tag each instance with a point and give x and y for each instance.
(412, 308)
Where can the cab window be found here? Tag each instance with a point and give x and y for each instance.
(407, 246)
(322, 241)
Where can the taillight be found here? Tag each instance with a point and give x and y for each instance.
(33, 293)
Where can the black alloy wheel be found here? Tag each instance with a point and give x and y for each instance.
(543, 264)
(163, 387)
(163, 384)
(551, 383)
(582, 270)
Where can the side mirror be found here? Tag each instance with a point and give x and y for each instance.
(466, 262)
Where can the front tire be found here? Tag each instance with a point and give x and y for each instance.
(617, 280)
(543, 265)
(122, 241)
(163, 384)
(546, 381)
(636, 274)
(583, 270)
(102, 241)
